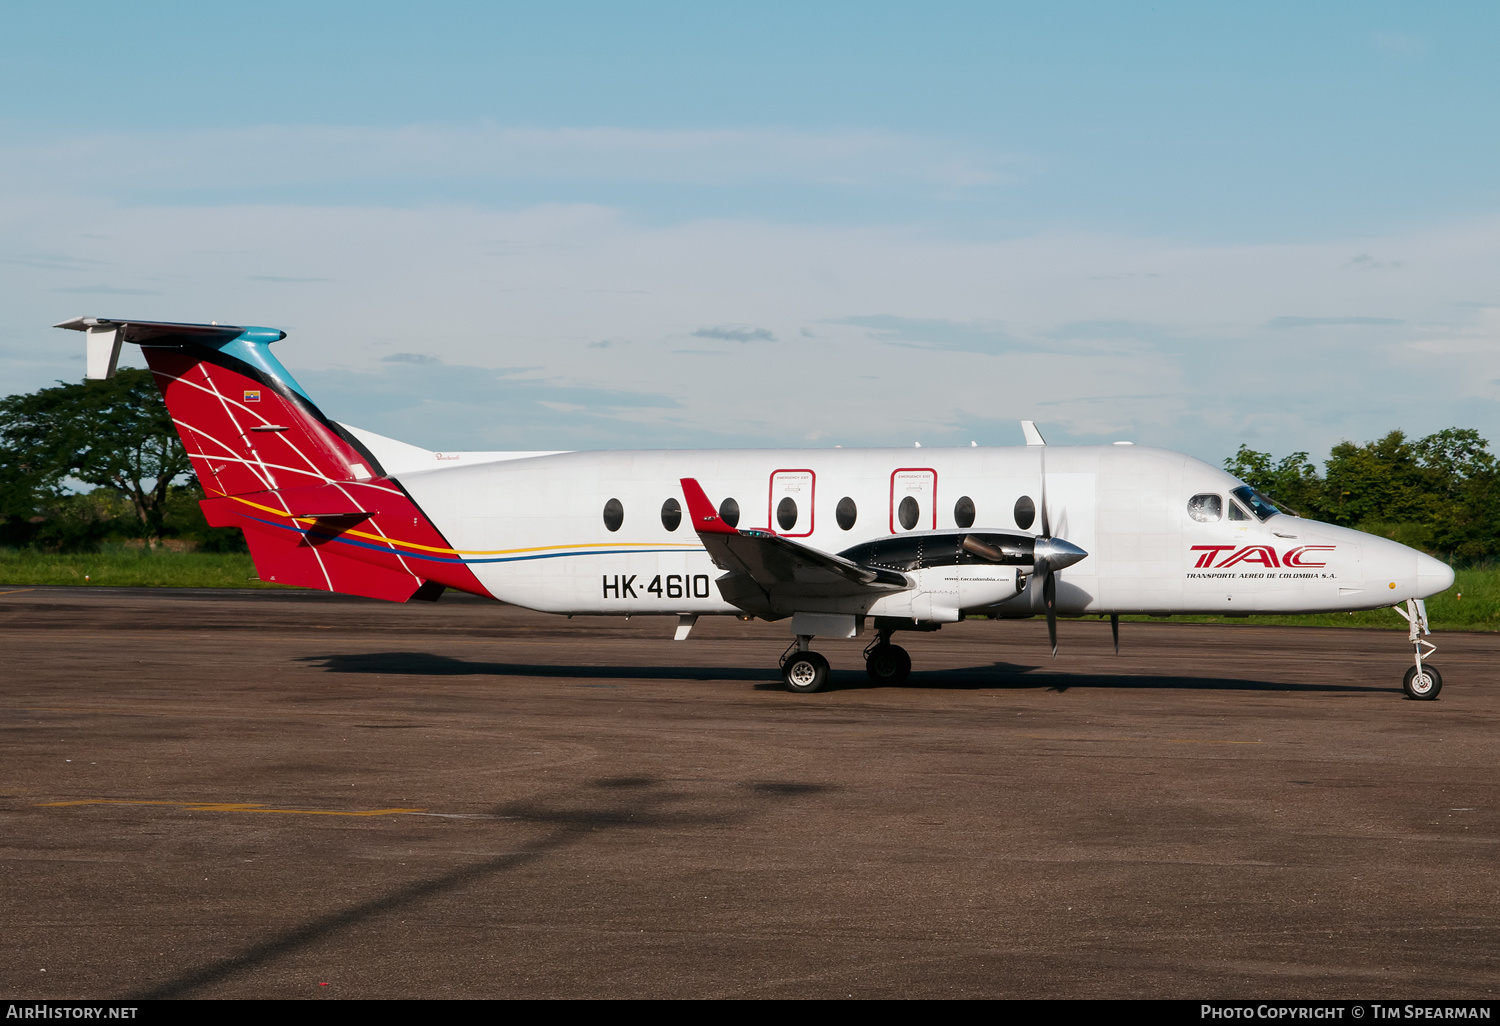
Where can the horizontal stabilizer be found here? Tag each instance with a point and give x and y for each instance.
(168, 332)
(353, 517)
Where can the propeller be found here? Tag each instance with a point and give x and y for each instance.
(1052, 554)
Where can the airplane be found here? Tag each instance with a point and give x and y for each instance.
(834, 541)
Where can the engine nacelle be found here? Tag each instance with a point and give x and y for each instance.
(942, 593)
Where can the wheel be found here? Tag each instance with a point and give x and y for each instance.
(1424, 685)
(805, 672)
(888, 664)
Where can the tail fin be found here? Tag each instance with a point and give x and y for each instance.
(245, 422)
(314, 503)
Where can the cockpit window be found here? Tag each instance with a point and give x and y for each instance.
(1206, 507)
(1263, 508)
(1235, 513)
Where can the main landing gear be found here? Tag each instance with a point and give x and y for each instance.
(802, 670)
(1422, 681)
(887, 663)
(805, 672)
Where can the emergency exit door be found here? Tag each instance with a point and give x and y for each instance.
(791, 506)
(913, 499)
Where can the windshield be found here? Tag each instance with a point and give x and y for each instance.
(1263, 508)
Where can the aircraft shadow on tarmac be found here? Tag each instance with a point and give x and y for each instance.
(991, 676)
(563, 820)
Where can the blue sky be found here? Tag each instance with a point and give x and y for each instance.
(539, 226)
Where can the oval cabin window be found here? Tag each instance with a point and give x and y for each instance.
(786, 513)
(963, 512)
(846, 513)
(908, 512)
(729, 512)
(1025, 512)
(614, 514)
(671, 514)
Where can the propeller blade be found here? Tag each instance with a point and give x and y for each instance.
(1114, 628)
(1046, 518)
(1049, 599)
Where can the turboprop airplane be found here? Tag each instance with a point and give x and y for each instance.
(833, 541)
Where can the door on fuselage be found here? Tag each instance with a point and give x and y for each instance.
(913, 500)
(791, 505)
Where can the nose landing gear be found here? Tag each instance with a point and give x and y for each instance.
(1422, 682)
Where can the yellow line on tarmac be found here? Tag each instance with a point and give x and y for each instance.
(225, 807)
(18, 591)
(1163, 740)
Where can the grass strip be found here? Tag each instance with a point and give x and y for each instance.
(121, 567)
(1472, 604)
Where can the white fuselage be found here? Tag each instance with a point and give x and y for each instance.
(533, 530)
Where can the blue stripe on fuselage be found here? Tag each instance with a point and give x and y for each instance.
(391, 550)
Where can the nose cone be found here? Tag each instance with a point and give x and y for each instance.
(1433, 576)
(1056, 553)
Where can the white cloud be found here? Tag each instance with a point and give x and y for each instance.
(1095, 335)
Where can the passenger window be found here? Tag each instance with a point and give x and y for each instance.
(908, 512)
(614, 514)
(729, 512)
(671, 514)
(963, 512)
(1206, 507)
(786, 513)
(1025, 512)
(846, 513)
(1235, 513)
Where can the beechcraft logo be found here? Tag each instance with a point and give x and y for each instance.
(252, 395)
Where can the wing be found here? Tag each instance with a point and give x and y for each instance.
(768, 572)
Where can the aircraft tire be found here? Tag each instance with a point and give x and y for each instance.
(1423, 687)
(888, 664)
(805, 673)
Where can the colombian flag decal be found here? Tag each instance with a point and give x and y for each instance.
(252, 395)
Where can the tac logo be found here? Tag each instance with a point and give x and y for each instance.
(1260, 555)
(252, 395)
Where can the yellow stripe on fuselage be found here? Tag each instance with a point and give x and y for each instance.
(466, 552)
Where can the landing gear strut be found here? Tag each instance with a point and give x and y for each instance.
(802, 670)
(1422, 682)
(887, 663)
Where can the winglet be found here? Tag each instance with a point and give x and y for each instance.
(701, 512)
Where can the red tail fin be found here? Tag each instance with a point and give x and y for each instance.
(316, 507)
(248, 428)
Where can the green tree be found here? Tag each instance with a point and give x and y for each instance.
(1465, 481)
(1379, 482)
(1293, 481)
(114, 434)
(1441, 492)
